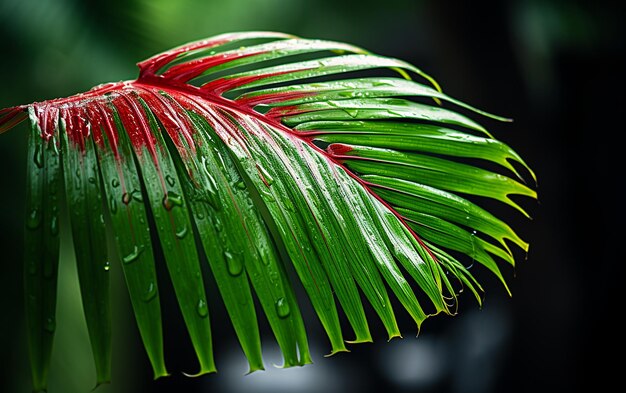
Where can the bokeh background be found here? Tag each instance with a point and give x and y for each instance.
(553, 66)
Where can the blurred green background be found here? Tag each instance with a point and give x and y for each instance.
(554, 66)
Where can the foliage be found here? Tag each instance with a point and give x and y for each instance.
(274, 152)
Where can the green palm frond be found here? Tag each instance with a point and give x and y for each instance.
(262, 144)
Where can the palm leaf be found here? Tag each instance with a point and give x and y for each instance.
(262, 144)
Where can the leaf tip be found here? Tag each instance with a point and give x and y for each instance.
(254, 369)
(200, 373)
(360, 341)
(161, 374)
(336, 351)
(99, 383)
(394, 335)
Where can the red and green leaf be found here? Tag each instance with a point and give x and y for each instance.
(254, 143)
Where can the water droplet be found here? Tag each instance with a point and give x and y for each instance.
(289, 205)
(91, 180)
(113, 205)
(212, 197)
(352, 112)
(54, 226)
(107, 266)
(115, 183)
(171, 199)
(126, 198)
(136, 194)
(202, 308)
(200, 215)
(34, 219)
(233, 263)
(50, 325)
(181, 233)
(282, 308)
(241, 185)
(132, 257)
(170, 180)
(268, 197)
(38, 156)
(150, 292)
(218, 225)
(267, 179)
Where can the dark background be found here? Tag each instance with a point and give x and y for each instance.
(553, 66)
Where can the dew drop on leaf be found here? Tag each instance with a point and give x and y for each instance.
(78, 179)
(113, 205)
(289, 205)
(352, 112)
(181, 233)
(150, 292)
(218, 225)
(132, 257)
(115, 183)
(211, 192)
(50, 325)
(107, 266)
(233, 263)
(267, 179)
(34, 219)
(136, 194)
(282, 308)
(202, 308)
(171, 199)
(268, 197)
(126, 198)
(54, 226)
(170, 180)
